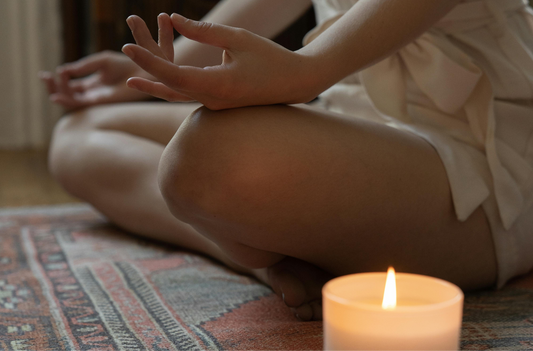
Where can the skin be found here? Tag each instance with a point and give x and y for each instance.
(255, 71)
(101, 78)
(290, 194)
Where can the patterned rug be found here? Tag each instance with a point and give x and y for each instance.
(71, 281)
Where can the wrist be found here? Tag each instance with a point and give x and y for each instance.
(313, 76)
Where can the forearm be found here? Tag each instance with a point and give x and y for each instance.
(370, 31)
(256, 71)
(266, 18)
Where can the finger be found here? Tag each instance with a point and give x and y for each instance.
(64, 79)
(85, 66)
(142, 36)
(66, 101)
(76, 87)
(79, 100)
(50, 81)
(225, 37)
(181, 78)
(158, 90)
(83, 84)
(166, 36)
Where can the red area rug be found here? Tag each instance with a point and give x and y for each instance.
(71, 281)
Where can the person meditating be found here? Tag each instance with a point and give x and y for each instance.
(417, 154)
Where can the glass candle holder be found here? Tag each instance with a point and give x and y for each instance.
(427, 316)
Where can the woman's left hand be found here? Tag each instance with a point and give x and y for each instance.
(254, 70)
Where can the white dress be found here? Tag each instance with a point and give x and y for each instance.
(465, 86)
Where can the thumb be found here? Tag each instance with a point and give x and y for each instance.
(214, 34)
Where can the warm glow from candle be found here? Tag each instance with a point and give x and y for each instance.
(389, 296)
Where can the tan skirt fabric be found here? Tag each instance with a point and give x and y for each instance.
(465, 86)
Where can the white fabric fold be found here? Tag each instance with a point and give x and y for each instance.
(462, 91)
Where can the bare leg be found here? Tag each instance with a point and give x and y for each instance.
(344, 195)
(109, 157)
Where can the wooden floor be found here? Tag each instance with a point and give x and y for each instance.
(25, 181)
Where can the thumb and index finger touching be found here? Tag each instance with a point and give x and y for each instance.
(85, 66)
(80, 68)
(184, 78)
(188, 77)
(203, 32)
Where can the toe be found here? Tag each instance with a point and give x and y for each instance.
(311, 311)
(317, 310)
(288, 286)
(304, 312)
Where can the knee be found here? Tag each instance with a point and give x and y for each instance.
(211, 168)
(208, 178)
(59, 156)
(193, 170)
(67, 149)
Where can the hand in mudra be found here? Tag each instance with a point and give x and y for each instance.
(97, 79)
(254, 70)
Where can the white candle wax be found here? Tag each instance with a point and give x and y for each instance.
(428, 315)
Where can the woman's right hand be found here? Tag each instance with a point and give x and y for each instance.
(97, 79)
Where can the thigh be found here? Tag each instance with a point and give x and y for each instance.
(344, 194)
(126, 138)
(156, 121)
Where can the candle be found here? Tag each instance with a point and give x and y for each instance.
(426, 313)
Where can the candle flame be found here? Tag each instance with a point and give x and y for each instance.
(389, 296)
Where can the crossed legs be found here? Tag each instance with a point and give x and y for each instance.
(342, 194)
(291, 188)
(108, 156)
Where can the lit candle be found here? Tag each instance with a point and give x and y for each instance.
(416, 312)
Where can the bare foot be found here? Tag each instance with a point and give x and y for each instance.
(299, 284)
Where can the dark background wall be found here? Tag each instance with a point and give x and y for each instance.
(96, 25)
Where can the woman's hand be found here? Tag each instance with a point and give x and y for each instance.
(254, 70)
(97, 79)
